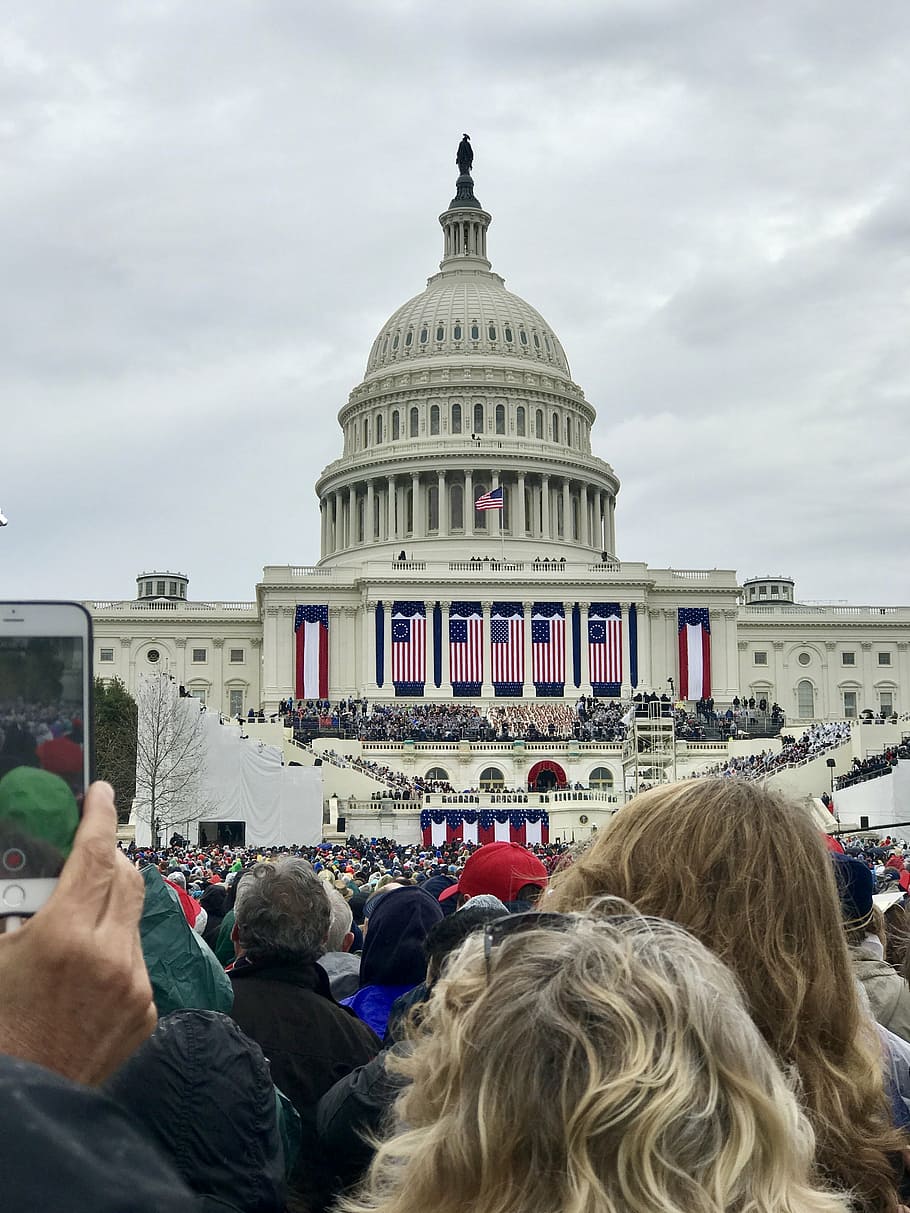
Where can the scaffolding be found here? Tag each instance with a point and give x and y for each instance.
(649, 749)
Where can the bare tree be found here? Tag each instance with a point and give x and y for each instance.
(170, 757)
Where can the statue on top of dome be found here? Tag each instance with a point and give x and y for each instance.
(464, 157)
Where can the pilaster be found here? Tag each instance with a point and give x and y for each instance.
(486, 690)
(626, 687)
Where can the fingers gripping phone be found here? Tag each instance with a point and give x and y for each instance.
(45, 755)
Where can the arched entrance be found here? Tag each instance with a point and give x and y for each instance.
(545, 776)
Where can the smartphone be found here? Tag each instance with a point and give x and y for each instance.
(45, 727)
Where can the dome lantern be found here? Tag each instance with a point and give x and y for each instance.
(465, 222)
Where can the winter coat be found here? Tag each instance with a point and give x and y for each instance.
(887, 991)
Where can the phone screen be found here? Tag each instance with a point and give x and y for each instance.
(43, 706)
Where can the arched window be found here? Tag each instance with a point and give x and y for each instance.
(409, 510)
(437, 775)
(409, 337)
(385, 345)
(395, 340)
(522, 337)
(504, 523)
(538, 423)
(366, 432)
(396, 432)
(568, 431)
(560, 520)
(575, 534)
(492, 332)
(536, 342)
(361, 519)
(500, 419)
(414, 427)
(376, 508)
(378, 424)
(554, 428)
(424, 334)
(480, 516)
(475, 332)
(805, 699)
(520, 421)
(456, 331)
(478, 418)
(456, 418)
(529, 510)
(508, 334)
(456, 507)
(491, 779)
(434, 418)
(440, 333)
(433, 508)
(601, 778)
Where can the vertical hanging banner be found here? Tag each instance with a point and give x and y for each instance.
(437, 646)
(605, 647)
(311, 625)
(409, 647)
(694, 652)
(548, 648)
(633, 645)
(576, 646)
(507, 648)
(466, 648)
(380, 644)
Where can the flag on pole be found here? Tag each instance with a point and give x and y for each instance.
(694, 652)
(490, 501)
(311, 624)
(548, 647)
(466, 647)
(605, 647)
(409, 647)
(507, 648)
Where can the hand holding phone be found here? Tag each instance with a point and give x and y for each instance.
(75, 996)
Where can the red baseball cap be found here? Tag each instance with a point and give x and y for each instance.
(500, 868)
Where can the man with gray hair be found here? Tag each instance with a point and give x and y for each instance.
(342, 966)
(283, 1001)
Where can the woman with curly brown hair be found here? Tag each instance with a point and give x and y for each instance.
(582, 1064)
(747, 873)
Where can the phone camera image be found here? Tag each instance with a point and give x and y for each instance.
(42, 758)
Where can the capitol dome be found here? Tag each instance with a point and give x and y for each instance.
(467, 391)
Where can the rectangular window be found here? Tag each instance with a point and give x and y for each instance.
(172, 589)
(775, 591)
(236, 703)
(106, 655)
(236, 656)
(850, 704)
(884, 659)
(886, 702)
(159, 589)
(848, 659)
(199, 655)
(760, 657)
(763, 591)
(149, 590)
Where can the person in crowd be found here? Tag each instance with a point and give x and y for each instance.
(638, 1084)
(864, 928)
(505, 870)
(340, 963)
(393, 959)
(282, 1000)
(214, 901)
(747, 872)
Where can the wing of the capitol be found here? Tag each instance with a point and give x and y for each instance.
(469, 557)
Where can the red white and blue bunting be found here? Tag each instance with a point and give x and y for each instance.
(527, 827)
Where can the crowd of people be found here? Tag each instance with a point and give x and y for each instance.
(816, 740)
(374, 1027)
(41, 734)
(875, 765)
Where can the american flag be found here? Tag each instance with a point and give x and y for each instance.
(507, 644)
(490, 501)
(409, 648)
(548, 647)
(465, 643)
(694, 652)
(605, 644)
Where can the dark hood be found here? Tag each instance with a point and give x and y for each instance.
(393, 952)
(202, 1090)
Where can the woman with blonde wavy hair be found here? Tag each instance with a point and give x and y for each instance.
(583, 1064)
(747, 873)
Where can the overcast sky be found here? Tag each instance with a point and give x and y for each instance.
(207, 211)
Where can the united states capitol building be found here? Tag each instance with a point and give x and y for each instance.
(467, 394)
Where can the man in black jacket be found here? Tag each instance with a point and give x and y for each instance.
(283, 1001)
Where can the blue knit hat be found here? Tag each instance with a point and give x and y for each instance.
(855, 885)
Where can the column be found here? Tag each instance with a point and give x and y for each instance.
(869, 697)
(352, 516)
(368, 683)
(417, 528)
(569, 690)
(368, 532)
(486, 689)
(218, 672)
(566, 511)
(443, 505)
(528, 690)
(583, 520)
(777, 689)
(626, 687)
(322, 518)
(446, 687)
(585, 688)
(387, 686)
(336, 521)
(545, 502)
(611, 526)
(337, 648)
(390, 510)
(469, 502)
(429, 685)
(270, 652)
(903, 678)
(730, 620)
(519, 526)
(645, 680)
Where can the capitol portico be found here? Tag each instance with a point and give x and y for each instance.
(467, 392)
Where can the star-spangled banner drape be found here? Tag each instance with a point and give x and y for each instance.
(605, 647)
(694, 652)
(527, 827)
(311, 627)
(466, 647)
(548, 647)
(507, 648)
(409, 647)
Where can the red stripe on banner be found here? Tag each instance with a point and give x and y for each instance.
(683, 664)
(298, 680)
(705, 661)
(323, 662)
(517, 834)
(544, 835)
(427, 837)
(454, 833)
(485, 834)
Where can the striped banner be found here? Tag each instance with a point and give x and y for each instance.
(605, 647)
(409, 647)
(466, 647)
(507, 648)
(548, 648)
(311, 625)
